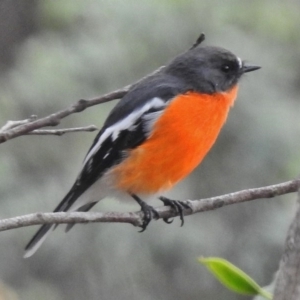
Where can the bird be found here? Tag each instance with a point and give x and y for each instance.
(157, 134)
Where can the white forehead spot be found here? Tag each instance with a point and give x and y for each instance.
(239, 62)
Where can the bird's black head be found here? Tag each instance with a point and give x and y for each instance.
(208, 69)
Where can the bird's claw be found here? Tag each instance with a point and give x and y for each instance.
(177, 206)
(149, 214)
(166, 220)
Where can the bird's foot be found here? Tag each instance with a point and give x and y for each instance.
(149, 212)
(177, 206)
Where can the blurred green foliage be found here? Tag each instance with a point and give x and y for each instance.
(232, 277)
(86, 48)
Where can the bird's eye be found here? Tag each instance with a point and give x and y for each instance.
(225, 68)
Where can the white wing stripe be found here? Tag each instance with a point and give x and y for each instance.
(123, 124)
(149, 120)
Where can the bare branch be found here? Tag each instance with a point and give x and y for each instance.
(135, 218)
(287, 285)
(60, 132)
(55, 118)
(12, 124)
(200, 39)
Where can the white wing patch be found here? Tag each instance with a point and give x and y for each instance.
(149, 120)
(124, 124)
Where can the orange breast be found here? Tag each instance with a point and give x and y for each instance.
(181, 138)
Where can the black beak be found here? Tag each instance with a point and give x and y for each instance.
(250, 68)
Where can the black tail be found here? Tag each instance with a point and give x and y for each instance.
(43, 232)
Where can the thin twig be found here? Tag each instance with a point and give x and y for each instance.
(12, 124)
(135, 218)
(62, 131)
(55, 118)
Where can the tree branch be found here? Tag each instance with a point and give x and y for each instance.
(62, 131)
(287, 285)
(12, 124)
(54, 119)
(135, 218)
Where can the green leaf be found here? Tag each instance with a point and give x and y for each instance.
(232, 277)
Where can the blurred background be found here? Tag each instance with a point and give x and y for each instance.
(53, 53)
